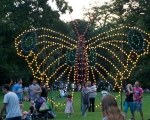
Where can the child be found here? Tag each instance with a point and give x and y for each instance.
(21, 108)
(26, 114)
(26, 98)
(62, 93)
(104, 92)
(69, 106)
(94, 88)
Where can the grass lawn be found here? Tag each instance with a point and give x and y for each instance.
(97, 115)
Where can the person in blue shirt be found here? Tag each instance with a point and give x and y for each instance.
(18, 90)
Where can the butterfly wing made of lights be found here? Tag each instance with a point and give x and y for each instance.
(118, 51)
(49, 46)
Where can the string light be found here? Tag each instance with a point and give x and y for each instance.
(25, 40)
(135, 46)
(87, 60)
(103, 84)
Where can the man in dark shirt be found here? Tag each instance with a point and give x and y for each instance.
(44, 90)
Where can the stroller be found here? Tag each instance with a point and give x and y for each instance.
(45, 114)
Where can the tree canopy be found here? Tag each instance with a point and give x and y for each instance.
(20, 15)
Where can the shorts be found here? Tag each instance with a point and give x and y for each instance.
(14, 118)
(138, 106)
(129, 104)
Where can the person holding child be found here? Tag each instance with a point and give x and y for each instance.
(69, 106)
(85, 99)
(92, 94)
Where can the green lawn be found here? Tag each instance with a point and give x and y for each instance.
(97, 115)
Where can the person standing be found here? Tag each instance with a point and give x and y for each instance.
(10, 104)
(91, 97)
(44, 89)
(138, 95)
(18, 90)
(69, 106)
(34, 90)
(85, 99)
(129, 101)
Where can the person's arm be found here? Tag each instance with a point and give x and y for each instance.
(15, 90)
(72, 102)
(3, 109)
(29, 111)
(92, 91)
(28, 92)
(141, 94)
(130, 91)
(89, 90)
(38, 91)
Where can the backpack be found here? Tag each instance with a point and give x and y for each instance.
(39, 101)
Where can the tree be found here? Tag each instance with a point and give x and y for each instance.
(124, 13)
(17, 16)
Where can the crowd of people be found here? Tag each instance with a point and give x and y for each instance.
(13, 101)
(110, 110)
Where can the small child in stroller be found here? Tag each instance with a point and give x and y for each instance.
(42, 114)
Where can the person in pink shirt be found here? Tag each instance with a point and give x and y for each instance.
(138, 95)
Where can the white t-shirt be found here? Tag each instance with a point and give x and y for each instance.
(12, 107)
(104, 92)
(94, 87)
(72, 86)
(62, 93)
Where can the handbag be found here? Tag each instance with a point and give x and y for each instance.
(45, 106)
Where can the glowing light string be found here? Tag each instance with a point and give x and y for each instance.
(95, 43)
(54, 62)
(93, 76)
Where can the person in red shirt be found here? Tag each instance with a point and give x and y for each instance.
(138, 95)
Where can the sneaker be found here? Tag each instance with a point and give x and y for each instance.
(85, 115)
(68, 116)
(131, 119)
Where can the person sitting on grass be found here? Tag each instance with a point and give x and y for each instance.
(104, 92)
(110, 110)
(21, 107)
(27, 114)
(62, 93)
